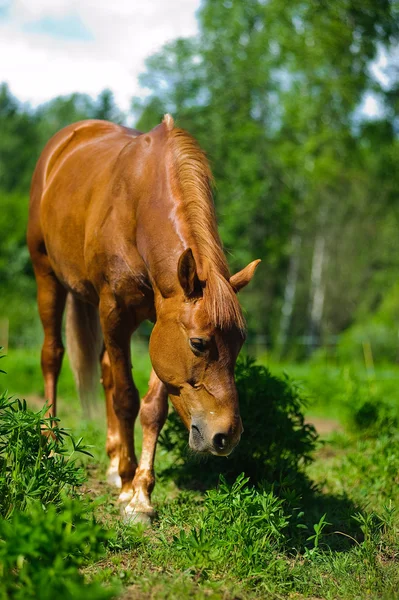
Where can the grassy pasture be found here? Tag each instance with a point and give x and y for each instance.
(332, 535)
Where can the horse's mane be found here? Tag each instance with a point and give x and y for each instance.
(193, 177)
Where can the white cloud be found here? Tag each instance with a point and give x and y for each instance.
(38, 67)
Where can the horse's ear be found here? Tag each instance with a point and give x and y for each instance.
(243, 277)
(187, 273)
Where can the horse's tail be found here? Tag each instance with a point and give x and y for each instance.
(84, 344)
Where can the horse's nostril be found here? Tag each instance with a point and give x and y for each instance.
(220, 441)
(196, 435)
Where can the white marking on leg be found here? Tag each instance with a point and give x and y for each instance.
(125, 496)
(113, 473)
(146, 460)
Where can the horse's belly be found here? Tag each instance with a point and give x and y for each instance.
(72, 274)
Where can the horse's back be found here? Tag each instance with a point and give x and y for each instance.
(75, 166)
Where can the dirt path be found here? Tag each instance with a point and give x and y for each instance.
(324, 426)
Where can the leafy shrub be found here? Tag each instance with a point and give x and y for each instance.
(276, 442)
(373, 417)
(41, 553)
(367, 414)
(18, 290)
(34, 467)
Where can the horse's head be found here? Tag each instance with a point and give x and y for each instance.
(195, 357)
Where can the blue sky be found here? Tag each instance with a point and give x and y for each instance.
(53, 47)
(66, 27)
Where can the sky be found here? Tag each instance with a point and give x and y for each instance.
(56, 47)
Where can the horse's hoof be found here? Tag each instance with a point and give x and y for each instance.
(135, 518)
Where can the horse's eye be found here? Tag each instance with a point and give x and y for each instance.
(198, 344)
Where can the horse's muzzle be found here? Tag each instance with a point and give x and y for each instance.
(219, 443)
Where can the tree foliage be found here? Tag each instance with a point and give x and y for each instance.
(305, 180)
(274, 94)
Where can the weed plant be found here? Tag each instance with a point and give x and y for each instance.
(240, 530)
(46, 531)
(35, 467)
(368, 469)
(41, 552)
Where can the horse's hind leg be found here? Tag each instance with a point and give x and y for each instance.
(51, 297)
(153, 413)
(113, 437)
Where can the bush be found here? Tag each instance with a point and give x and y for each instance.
(367, 413)
(18, 304)
(275, 445)
(372, 417)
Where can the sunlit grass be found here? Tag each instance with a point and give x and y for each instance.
(246, 543)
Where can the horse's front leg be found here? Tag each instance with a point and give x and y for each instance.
(153, 413)
(113, 437)
(117, 327)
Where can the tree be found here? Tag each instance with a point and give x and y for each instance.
(105, 108)
(271, 91)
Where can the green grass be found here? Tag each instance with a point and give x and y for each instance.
(337, 538)
(23, 372)
(332, 388)
(329, 387)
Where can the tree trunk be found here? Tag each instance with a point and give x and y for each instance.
(317, 290)
(289, 295)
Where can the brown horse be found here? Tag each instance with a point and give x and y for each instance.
(123, 223)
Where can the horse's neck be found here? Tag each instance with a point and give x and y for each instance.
(160, 242)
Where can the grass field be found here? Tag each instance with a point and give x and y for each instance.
(332, 534)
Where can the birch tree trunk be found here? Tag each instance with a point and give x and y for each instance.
(317, 291)
(289, 294)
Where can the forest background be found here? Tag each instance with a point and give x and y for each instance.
(305, 179)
